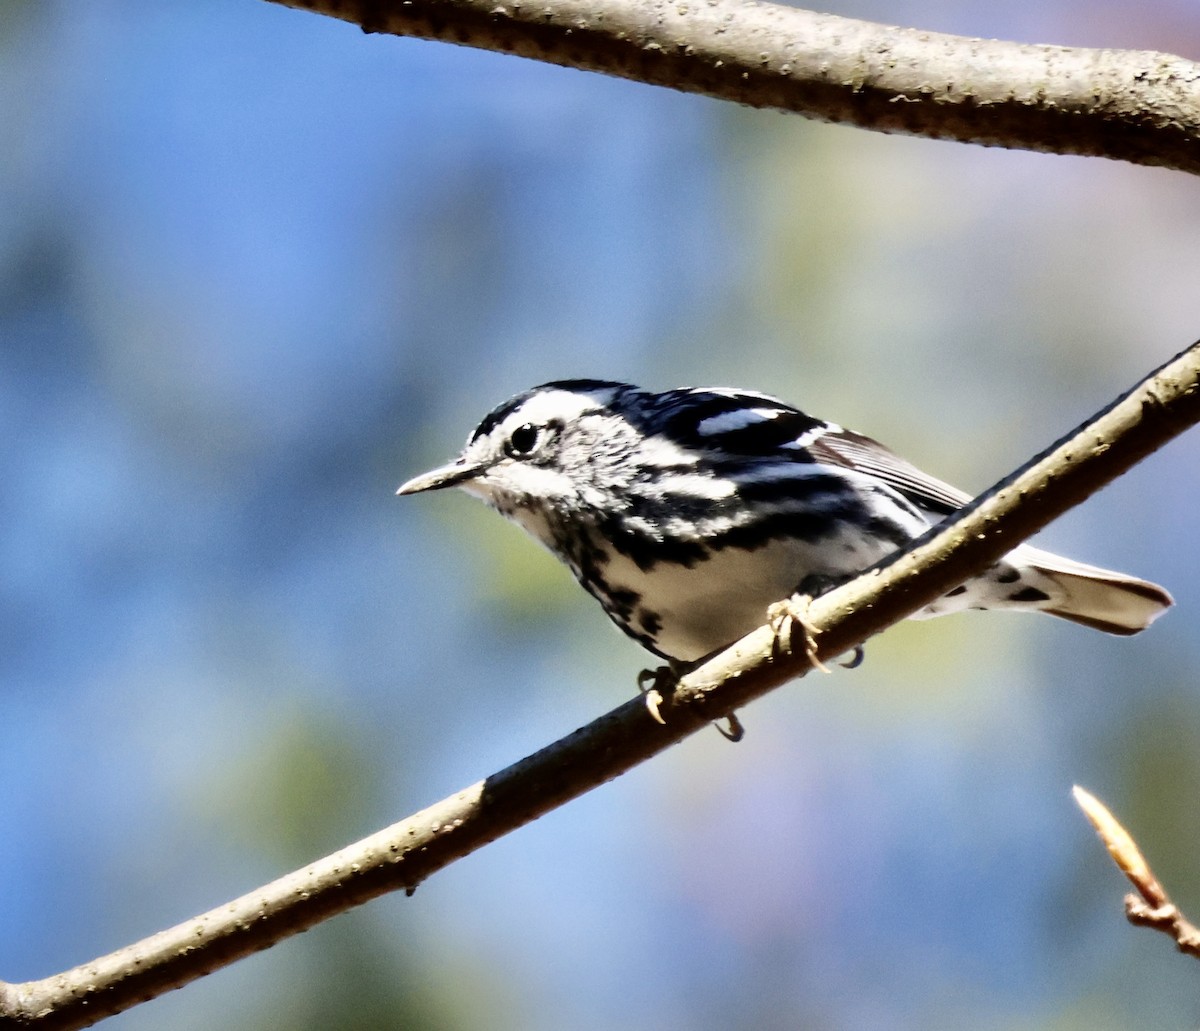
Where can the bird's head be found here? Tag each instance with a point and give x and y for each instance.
(543, 450)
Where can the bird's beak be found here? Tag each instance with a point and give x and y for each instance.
(444, 476)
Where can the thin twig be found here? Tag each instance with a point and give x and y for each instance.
(1154, 909)
(403, 855)
(1138, 106)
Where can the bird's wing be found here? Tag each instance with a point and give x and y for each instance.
(854, 451)
(742, 423)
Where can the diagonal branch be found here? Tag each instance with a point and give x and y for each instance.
(1138, 106)
(401, 856)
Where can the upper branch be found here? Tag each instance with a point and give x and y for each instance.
(1138, 106)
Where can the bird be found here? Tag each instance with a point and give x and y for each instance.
(690, 513)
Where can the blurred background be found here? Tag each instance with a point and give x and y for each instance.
(257, 268)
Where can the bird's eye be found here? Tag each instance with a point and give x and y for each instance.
(523, 440)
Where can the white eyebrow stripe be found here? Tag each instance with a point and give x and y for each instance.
(738, 419)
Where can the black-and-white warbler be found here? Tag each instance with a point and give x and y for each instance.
(688, 513)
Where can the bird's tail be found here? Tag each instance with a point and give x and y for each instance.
(1100, 598)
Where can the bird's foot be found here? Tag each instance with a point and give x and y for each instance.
(795, 611)
(796, 608)
(652, 683)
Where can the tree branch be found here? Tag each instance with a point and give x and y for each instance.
(1138, 106)
(403, 855)
(1154, 909)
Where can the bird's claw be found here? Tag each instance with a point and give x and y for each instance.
(736, 731)
(654, 699)
(795, 609)
(650, 680)
(856, 659)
